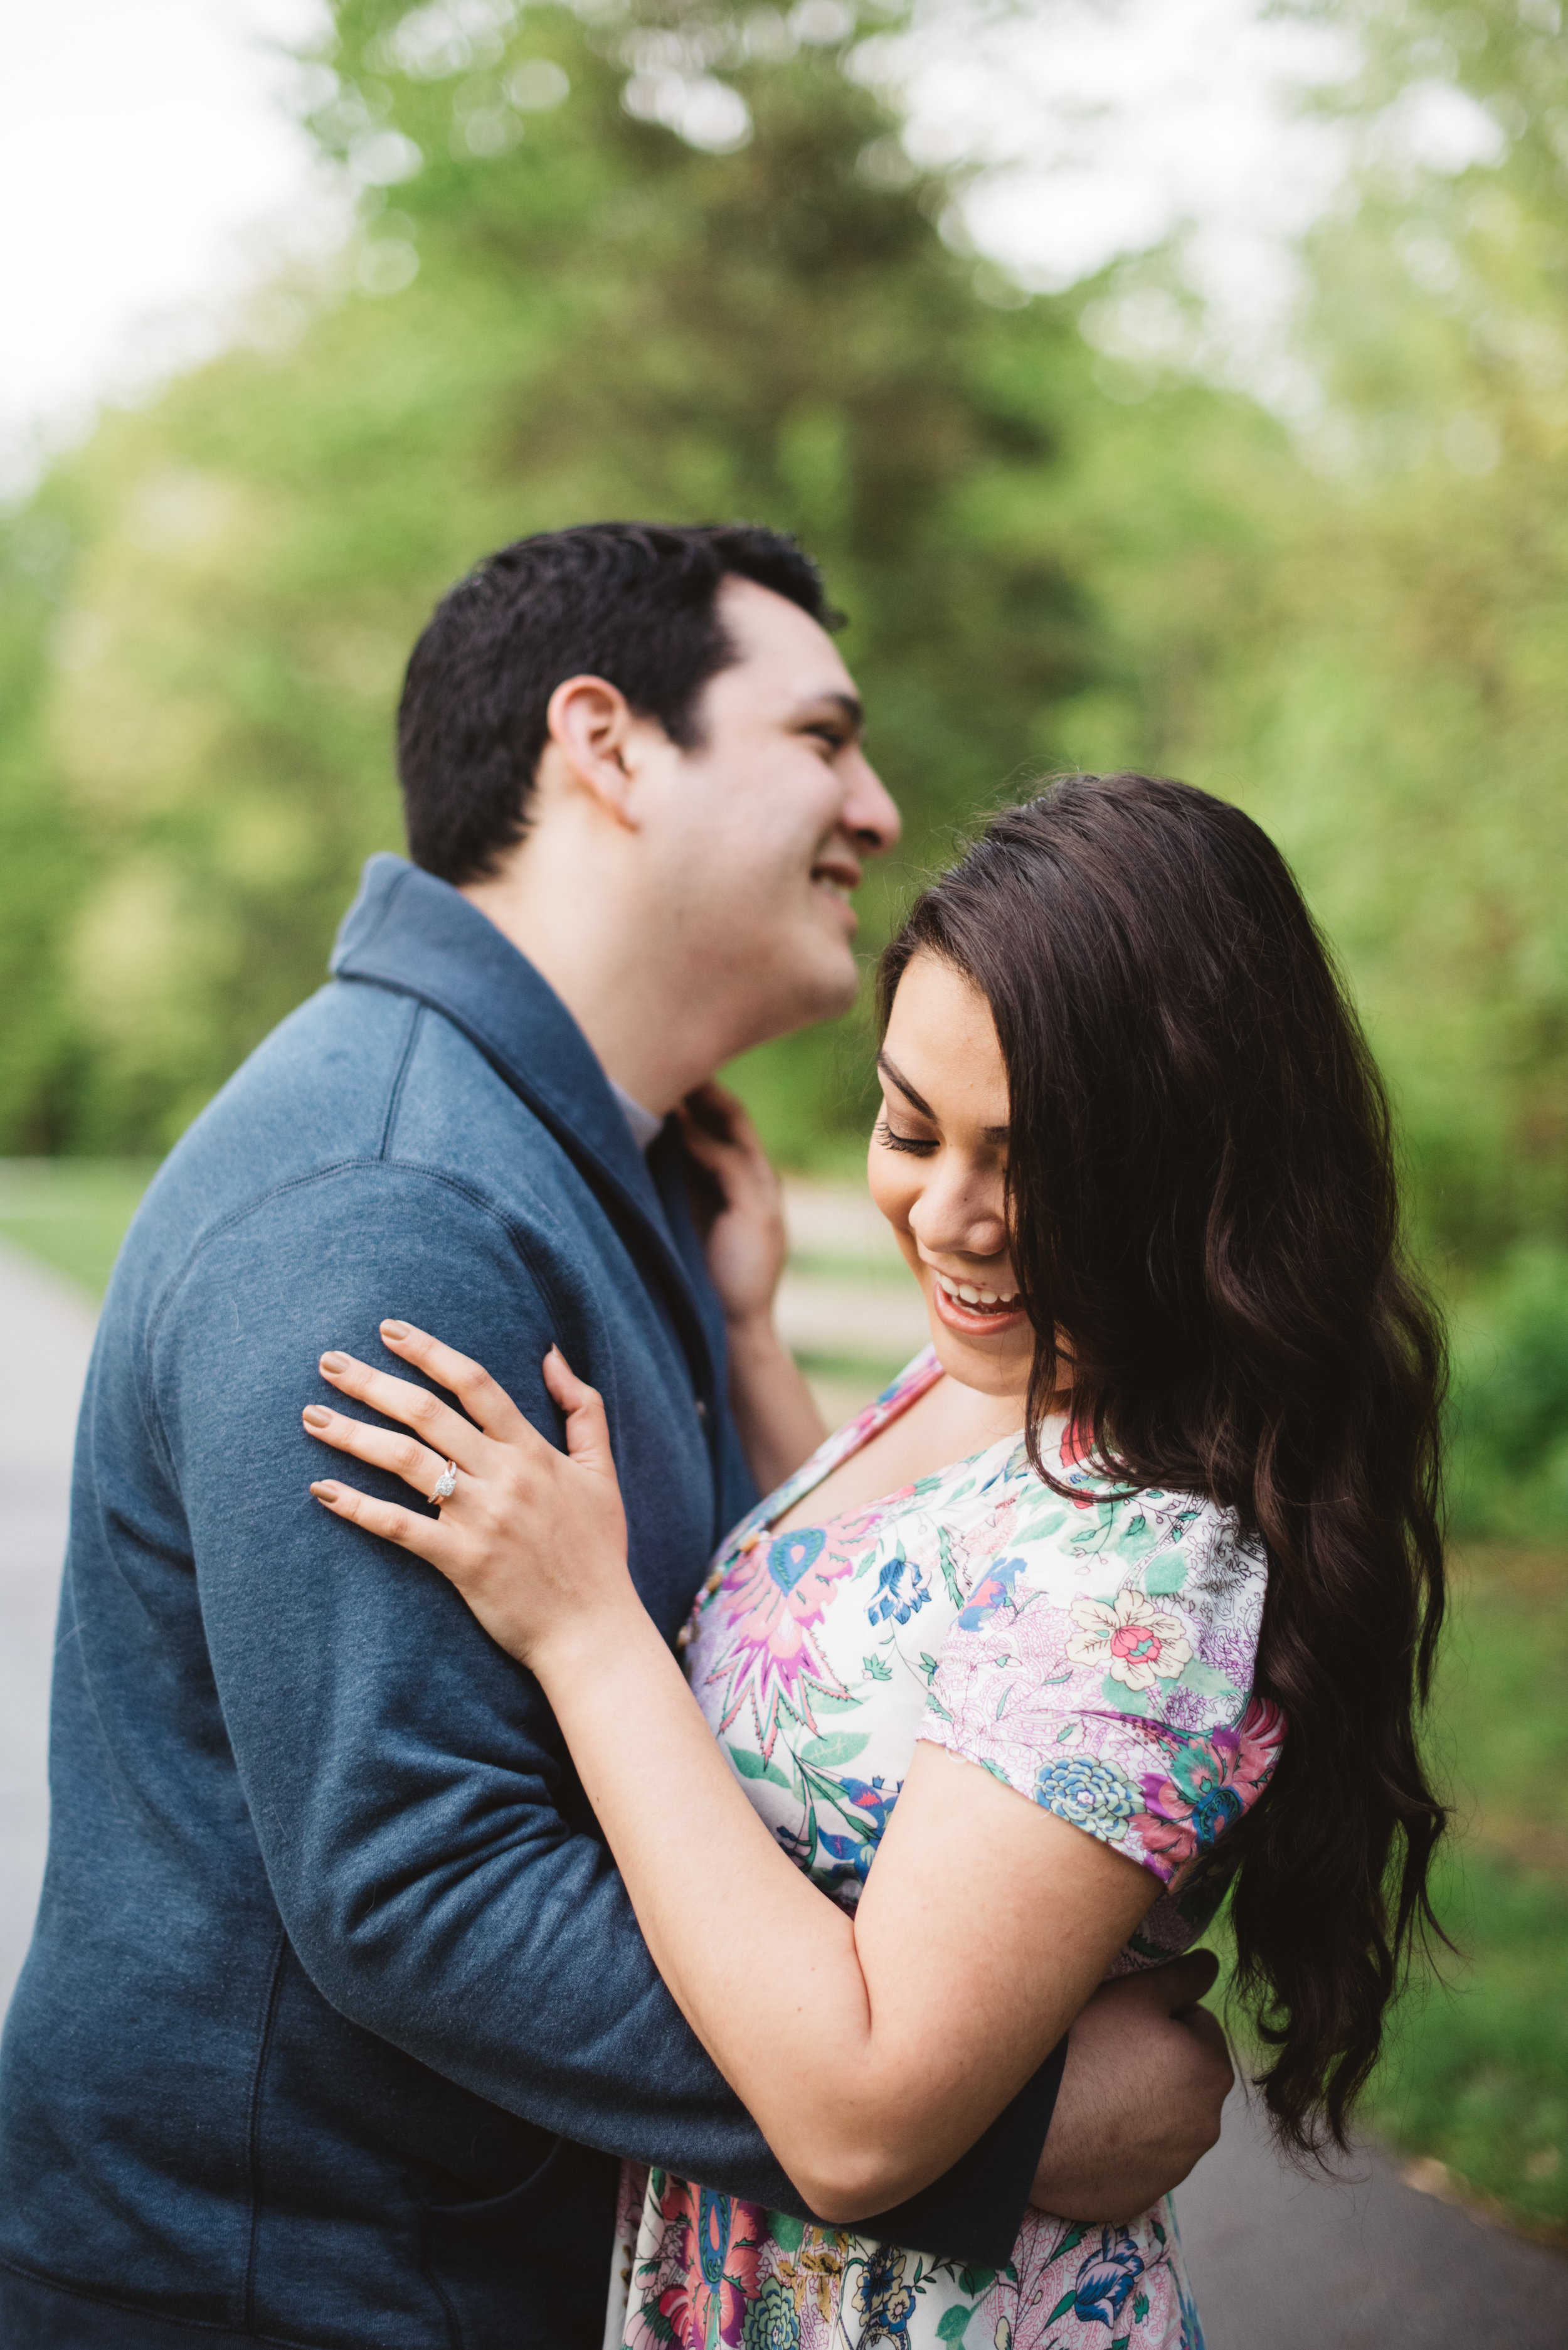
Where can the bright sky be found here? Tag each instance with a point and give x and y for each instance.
(148, 154)
(144, 151)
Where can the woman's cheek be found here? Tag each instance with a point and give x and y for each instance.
(895, 1183)
(892, 1183)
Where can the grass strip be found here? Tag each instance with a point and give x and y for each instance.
(72, 1213)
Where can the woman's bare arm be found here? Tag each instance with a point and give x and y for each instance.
(871, 2050)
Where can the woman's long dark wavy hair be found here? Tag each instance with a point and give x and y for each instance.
(1206, 1234)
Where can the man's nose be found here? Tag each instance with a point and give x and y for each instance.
(870, 814)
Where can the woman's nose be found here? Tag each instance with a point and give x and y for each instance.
(957, 1219)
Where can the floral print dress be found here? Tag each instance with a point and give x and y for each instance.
(1097, 1654)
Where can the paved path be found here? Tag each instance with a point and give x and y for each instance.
(1282, 2262)
(1279, 2263)
(49, 1330)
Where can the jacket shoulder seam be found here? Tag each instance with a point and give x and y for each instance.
(337, 1167)
(405, 1061)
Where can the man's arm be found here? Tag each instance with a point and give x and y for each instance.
(1146, 2073)
(423, 1833)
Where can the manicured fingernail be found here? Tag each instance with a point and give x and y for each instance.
(325, 1492)
(334, 1362)
(395, 1329)
(315, 1418)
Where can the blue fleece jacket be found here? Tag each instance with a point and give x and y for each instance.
(336, 2012)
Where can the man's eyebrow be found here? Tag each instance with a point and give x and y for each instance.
(847, 706)
(895, 1076)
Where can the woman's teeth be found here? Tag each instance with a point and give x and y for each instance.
(964, 1295)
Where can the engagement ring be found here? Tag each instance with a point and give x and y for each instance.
(446, 1485)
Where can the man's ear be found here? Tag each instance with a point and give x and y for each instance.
(591, 725)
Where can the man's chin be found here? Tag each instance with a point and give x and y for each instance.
(839, 986)
(824, 991)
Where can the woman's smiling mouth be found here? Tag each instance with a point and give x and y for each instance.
(968, 1306)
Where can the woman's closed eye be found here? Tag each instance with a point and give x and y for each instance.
(892, 1141)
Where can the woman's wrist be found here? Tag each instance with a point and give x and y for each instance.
(587, 1634)
(779, 1422)
(753, 1341)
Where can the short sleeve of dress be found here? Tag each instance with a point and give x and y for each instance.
(1103, 1667)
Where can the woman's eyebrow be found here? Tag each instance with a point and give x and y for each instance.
(895, 1077)
(890, 1070)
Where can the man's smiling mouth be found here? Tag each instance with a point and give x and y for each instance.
(840, 877)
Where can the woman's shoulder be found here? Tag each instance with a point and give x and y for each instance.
(1075, 1533)
(1107, 1652)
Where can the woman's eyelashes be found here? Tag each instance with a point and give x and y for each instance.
(891, 1141)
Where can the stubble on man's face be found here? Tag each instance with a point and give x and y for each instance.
(771, 818)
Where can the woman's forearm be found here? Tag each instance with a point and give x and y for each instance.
(779, 1424)
(871, 2051)
(762, 1965)
(845, 2055)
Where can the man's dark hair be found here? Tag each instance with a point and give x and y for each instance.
(634, 603)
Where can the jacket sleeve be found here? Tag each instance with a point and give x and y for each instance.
(432, 1858)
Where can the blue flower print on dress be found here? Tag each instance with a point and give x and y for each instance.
(1108, 2277)
(895, 1600)
(1213, 1814)
(994, 1591)
(871, 1804)
(789, 1556)
(1088, 1793)
(869, 1796)
(713, 2233)
(883, 2298)
(852, 1857)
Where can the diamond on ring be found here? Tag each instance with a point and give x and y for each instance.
(446, 1483)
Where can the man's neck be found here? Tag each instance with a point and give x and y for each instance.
(646, 1127)
(613, 969)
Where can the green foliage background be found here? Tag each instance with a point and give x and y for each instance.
(1051, 554)
(1060, 541)
(1049, 557)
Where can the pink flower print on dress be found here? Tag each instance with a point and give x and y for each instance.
(773, 1599)
(716, 2243)
(1135, 1639)
(1212, 1782)
(1077, 1447)
(994, 1591)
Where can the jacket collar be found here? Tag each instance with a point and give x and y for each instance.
(417, 936)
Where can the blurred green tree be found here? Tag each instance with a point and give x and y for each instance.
(1363, 635)
(1412, 754)
(673, 259)
(670, 263)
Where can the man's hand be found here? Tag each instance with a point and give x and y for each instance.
(743, 1219)
(1146, 2073)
